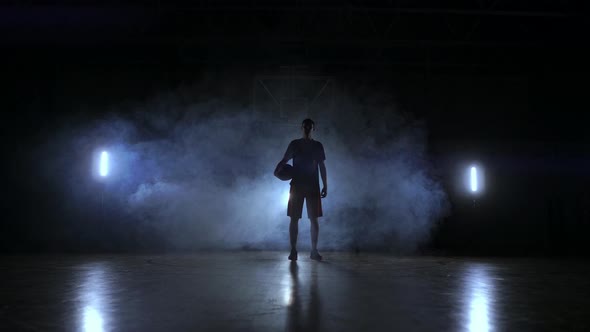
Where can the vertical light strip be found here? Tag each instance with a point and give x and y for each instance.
(104, 164)
(473, 179)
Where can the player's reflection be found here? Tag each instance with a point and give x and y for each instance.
(297, 320)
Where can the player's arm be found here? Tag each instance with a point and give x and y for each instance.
(321, 157)
(286, 157)
(324, 176)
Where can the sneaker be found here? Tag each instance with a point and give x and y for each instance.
(315, 255)
(293, 255)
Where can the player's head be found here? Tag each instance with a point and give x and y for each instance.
(307, 126)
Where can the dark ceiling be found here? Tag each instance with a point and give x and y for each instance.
(497, 35)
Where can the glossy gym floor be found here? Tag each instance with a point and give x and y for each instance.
(263, 291)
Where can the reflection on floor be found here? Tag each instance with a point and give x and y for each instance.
(263, 291)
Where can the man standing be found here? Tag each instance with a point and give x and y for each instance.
(308, 155)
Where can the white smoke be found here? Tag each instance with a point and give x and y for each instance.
(199, 174)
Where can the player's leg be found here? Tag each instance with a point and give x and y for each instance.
(314, 211)
(314, 230)
(294, 210)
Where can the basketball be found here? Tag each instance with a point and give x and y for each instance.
(284, 173)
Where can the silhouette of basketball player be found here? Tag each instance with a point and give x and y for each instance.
(308, 155)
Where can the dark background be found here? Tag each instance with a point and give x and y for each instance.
(502, 82)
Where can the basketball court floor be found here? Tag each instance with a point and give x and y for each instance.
(263, 291)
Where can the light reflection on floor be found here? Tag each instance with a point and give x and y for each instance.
(479, 292)
(92, 320)
(302, 298)
(93, 294)
(263, 291)
(289, 285)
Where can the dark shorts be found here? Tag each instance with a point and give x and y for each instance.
(312, 199)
